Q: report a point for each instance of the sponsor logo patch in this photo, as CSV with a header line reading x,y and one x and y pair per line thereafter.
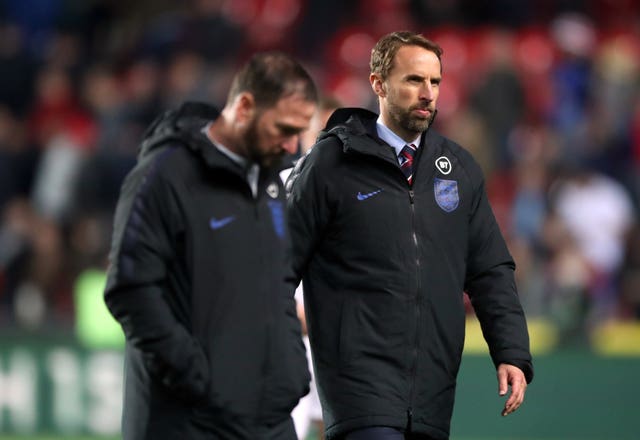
x,y
443,164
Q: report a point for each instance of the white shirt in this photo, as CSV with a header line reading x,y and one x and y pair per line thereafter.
x,y
598,213
393,139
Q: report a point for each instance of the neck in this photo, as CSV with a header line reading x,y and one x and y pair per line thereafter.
x,y
221,132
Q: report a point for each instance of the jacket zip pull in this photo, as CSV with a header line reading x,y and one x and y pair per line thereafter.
x,y
409,419
411,196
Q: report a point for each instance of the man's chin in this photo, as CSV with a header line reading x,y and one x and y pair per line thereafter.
x,y
420,125
271,161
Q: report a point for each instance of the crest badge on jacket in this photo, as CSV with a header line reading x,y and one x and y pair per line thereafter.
x,y
446,193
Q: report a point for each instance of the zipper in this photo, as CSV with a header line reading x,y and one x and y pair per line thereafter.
x,y
414,350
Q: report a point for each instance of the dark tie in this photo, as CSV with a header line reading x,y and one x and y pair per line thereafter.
x,y
407,154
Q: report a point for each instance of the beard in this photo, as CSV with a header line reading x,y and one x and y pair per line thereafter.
x,y
257,155
408,121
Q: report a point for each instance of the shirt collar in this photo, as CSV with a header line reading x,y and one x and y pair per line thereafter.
x,y
396,142
252,170
224,150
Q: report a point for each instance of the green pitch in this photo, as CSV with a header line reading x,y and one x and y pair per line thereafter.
x,y
13,437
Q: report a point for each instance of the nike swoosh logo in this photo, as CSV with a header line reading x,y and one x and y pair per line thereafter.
x,y
217,224
361,196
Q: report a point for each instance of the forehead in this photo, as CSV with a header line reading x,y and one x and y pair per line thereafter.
x,y
415,59
293,109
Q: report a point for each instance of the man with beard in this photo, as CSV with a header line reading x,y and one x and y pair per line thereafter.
x,y
198,262
390,224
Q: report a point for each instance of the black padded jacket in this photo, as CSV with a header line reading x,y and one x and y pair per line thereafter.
x,y
196,279
384,267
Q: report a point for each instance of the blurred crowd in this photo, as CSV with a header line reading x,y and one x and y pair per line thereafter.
x,y
545,94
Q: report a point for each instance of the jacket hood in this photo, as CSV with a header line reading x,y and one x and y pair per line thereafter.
x,y
355,120
183,126
356,130
179,125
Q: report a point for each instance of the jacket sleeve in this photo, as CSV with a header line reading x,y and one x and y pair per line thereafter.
x,y
491,287
308,209
143,249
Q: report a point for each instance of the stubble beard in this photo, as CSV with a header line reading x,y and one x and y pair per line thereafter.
x,y
254,153
408,122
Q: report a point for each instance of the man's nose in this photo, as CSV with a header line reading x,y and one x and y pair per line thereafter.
x,y
426,92
290,144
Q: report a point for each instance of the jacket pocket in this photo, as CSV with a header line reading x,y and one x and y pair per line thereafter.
x,y
189,383
287,379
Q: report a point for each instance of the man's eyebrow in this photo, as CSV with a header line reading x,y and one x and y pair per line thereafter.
x,y
416,77
288,129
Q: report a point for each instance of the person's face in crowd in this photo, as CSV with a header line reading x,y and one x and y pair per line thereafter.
x,y
409,94
274,131
318,122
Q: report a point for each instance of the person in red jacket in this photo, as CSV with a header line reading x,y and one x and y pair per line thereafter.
x,y
198,261
390,225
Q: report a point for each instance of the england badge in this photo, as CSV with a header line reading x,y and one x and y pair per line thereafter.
x,y
446,193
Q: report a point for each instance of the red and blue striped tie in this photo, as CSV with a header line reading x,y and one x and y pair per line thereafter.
x,y
407,154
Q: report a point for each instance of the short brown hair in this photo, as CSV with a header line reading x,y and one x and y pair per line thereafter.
x,y
271,76
384,52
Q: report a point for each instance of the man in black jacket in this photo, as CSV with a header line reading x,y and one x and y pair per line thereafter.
x,y
198,261
390,225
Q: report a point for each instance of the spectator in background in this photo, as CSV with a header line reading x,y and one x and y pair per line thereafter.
x,y
198,263
570,81
386,238
66,133
17,158
596,213
630,275
33,258
15,252
185,79
499,97
16,70
326,106
100,176
609,128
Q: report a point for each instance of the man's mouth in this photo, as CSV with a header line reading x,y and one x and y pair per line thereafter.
x,y
423,111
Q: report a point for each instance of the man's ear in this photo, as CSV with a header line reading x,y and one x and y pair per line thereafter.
x,y
377,85
245,107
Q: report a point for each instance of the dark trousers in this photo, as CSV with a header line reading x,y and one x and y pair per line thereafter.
x,y
218,430
382,433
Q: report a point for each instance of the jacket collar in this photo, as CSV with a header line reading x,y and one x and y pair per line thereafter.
x,y
356,129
